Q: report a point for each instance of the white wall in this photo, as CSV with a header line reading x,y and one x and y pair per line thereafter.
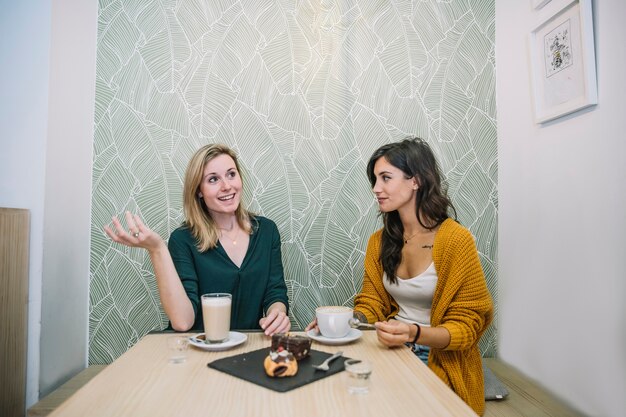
x,y
24,53
47,79
562,222
65,292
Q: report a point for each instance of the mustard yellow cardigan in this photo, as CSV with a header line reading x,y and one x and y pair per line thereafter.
x,y
461,303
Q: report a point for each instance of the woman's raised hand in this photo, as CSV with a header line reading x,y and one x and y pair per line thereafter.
x,y
138,234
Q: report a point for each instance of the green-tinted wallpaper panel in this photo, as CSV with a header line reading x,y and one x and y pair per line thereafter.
x,y
304,91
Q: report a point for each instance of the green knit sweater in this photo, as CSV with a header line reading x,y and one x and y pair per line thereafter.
x,y
461,303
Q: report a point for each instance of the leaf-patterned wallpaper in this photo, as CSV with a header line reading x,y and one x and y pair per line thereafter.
x,y
304,91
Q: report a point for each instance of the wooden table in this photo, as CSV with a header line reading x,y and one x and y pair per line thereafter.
x,y
143,383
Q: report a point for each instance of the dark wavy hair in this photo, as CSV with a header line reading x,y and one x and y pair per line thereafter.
x,y
414,158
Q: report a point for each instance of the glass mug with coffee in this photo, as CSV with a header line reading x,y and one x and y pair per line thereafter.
x,y
216,316
333,321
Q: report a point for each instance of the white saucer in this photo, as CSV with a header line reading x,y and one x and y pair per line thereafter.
x,y
353,335
234,339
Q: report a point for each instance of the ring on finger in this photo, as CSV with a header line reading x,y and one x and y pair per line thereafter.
x,y
136,234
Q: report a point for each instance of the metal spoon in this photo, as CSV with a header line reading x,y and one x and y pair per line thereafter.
x,y
356,323
324,365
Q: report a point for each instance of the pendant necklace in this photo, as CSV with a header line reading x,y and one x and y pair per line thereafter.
x,y
232,239
406,239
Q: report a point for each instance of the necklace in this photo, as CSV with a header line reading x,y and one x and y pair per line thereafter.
x,y
406,239
232,239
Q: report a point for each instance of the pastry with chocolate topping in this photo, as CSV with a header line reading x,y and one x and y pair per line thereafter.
x,y
280,363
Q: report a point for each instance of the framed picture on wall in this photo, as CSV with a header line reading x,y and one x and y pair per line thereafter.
x,y
562,62
538,4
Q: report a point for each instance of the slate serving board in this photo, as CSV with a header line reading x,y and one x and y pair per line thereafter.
x,y
249,366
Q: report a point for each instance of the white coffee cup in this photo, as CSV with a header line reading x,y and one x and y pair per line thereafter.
x,y
333,321
216,316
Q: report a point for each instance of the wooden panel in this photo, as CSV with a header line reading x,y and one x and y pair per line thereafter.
x,y
526,397
51,401
14,233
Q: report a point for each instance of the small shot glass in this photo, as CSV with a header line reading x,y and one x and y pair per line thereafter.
x,y
358,375
177,348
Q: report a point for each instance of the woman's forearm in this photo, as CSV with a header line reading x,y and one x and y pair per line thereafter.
x,y
174,299
436,337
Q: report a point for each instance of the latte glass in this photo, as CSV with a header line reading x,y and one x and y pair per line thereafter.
x,y
216,316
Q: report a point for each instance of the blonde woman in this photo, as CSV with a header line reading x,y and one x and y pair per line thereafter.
x,y
221,247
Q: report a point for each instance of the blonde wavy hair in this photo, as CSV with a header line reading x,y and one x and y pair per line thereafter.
x,y
197,216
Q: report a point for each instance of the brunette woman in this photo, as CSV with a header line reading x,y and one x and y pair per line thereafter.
x,y
423,285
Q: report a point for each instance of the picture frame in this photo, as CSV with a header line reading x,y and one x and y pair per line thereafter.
x,y
562,62
538,4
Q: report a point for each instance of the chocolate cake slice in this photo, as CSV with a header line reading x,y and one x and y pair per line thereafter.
x,y
299,346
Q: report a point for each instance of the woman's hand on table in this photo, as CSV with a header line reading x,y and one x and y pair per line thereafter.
x,y
138,234
276,320
312,325
393,332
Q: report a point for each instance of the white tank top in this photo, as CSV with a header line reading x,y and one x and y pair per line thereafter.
x,y
414,296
